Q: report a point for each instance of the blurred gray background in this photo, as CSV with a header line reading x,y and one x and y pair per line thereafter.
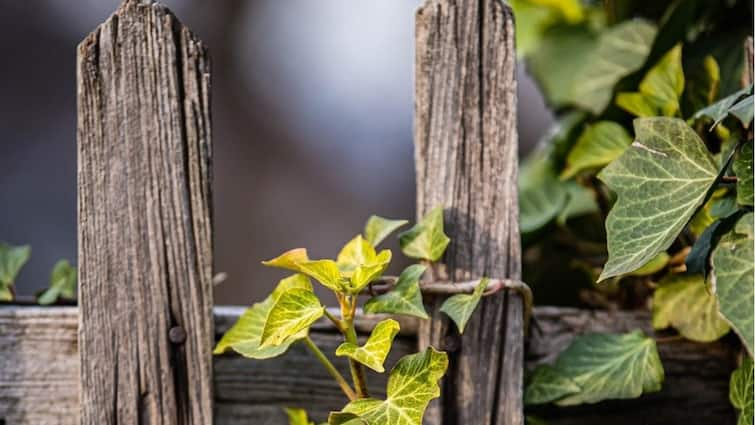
x,y
313,106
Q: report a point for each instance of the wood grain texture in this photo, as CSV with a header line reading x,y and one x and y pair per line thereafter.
x,y
145,234
39,367
466,161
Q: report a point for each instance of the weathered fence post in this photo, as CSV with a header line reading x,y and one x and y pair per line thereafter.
x,y
466,160
145,234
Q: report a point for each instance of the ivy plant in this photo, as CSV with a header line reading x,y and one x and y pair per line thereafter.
x,y
12,261
268,328
642,195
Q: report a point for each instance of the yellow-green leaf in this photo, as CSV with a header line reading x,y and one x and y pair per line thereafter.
x,y
297,417
373,353
461,306
546,384
378,228
245,336
326,272
294,311
609,366
660,90
359,262
12,259
62,284
598,145
653,266
742,167
405,298
412,384
741,391
682,301
289,260
426,240
660,180
734,281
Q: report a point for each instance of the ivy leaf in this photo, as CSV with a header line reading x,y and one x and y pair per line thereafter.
x,y
547,384
324,271
598,145
653,266
12,259
660,181
426,240
542,196
660,89
743,111
245,336
341,418
378,228
412,384
289,260
621,50
735,287
742,167
741,391
373,353
359,262
294,311
62,284
405,298
610,366
721,109
682,301
461,306
297,417
697,260
580,201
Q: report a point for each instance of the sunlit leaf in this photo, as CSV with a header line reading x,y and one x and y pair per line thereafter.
x,y
609,366
289,260
660,90
547,384
373,353
683,302
324,271
598,145
405,298
734,282
297,417
426,240
62,284
741,391
378,228
12,259
294,311
621,50
245,336
412,384
742,167
660,181
461,306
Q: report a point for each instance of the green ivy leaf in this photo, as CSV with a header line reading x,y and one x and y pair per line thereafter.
x,y
378,228
294,311
547,384
289,260
609,366
405,298
12,259
298,417
682,301
461,306
660,89
621,50
660,181
598,145
245,336
580,201
734,283
697,260
412,384
653,266
373,353
721,109
743,111
426,240
741,391
324,271
62,284
742,167
542,196
360,264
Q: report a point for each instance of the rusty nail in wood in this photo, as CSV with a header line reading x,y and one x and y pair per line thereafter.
x,y
177,335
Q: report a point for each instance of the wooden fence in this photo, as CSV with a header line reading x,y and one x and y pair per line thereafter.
x,y
137,350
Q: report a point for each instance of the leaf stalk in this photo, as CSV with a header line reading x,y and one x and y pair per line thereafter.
x,y
345,387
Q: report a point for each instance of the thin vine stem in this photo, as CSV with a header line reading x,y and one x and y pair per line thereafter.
x,y
345,387
358,377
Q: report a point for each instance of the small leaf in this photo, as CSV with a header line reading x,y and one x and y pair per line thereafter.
x,y
734,282
62,284
289,260
608,366
297,417
360,264
653,266
245,336
698,259
682,301
659,90
426,240
743,111
412,384
546,384
598,145
721,109
294,311
742,167
378,228
741,391
660,181
12,259
373,353
542,196
405,298
461,306
326,272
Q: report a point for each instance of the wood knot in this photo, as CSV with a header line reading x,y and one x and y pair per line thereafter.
x,y
177,335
